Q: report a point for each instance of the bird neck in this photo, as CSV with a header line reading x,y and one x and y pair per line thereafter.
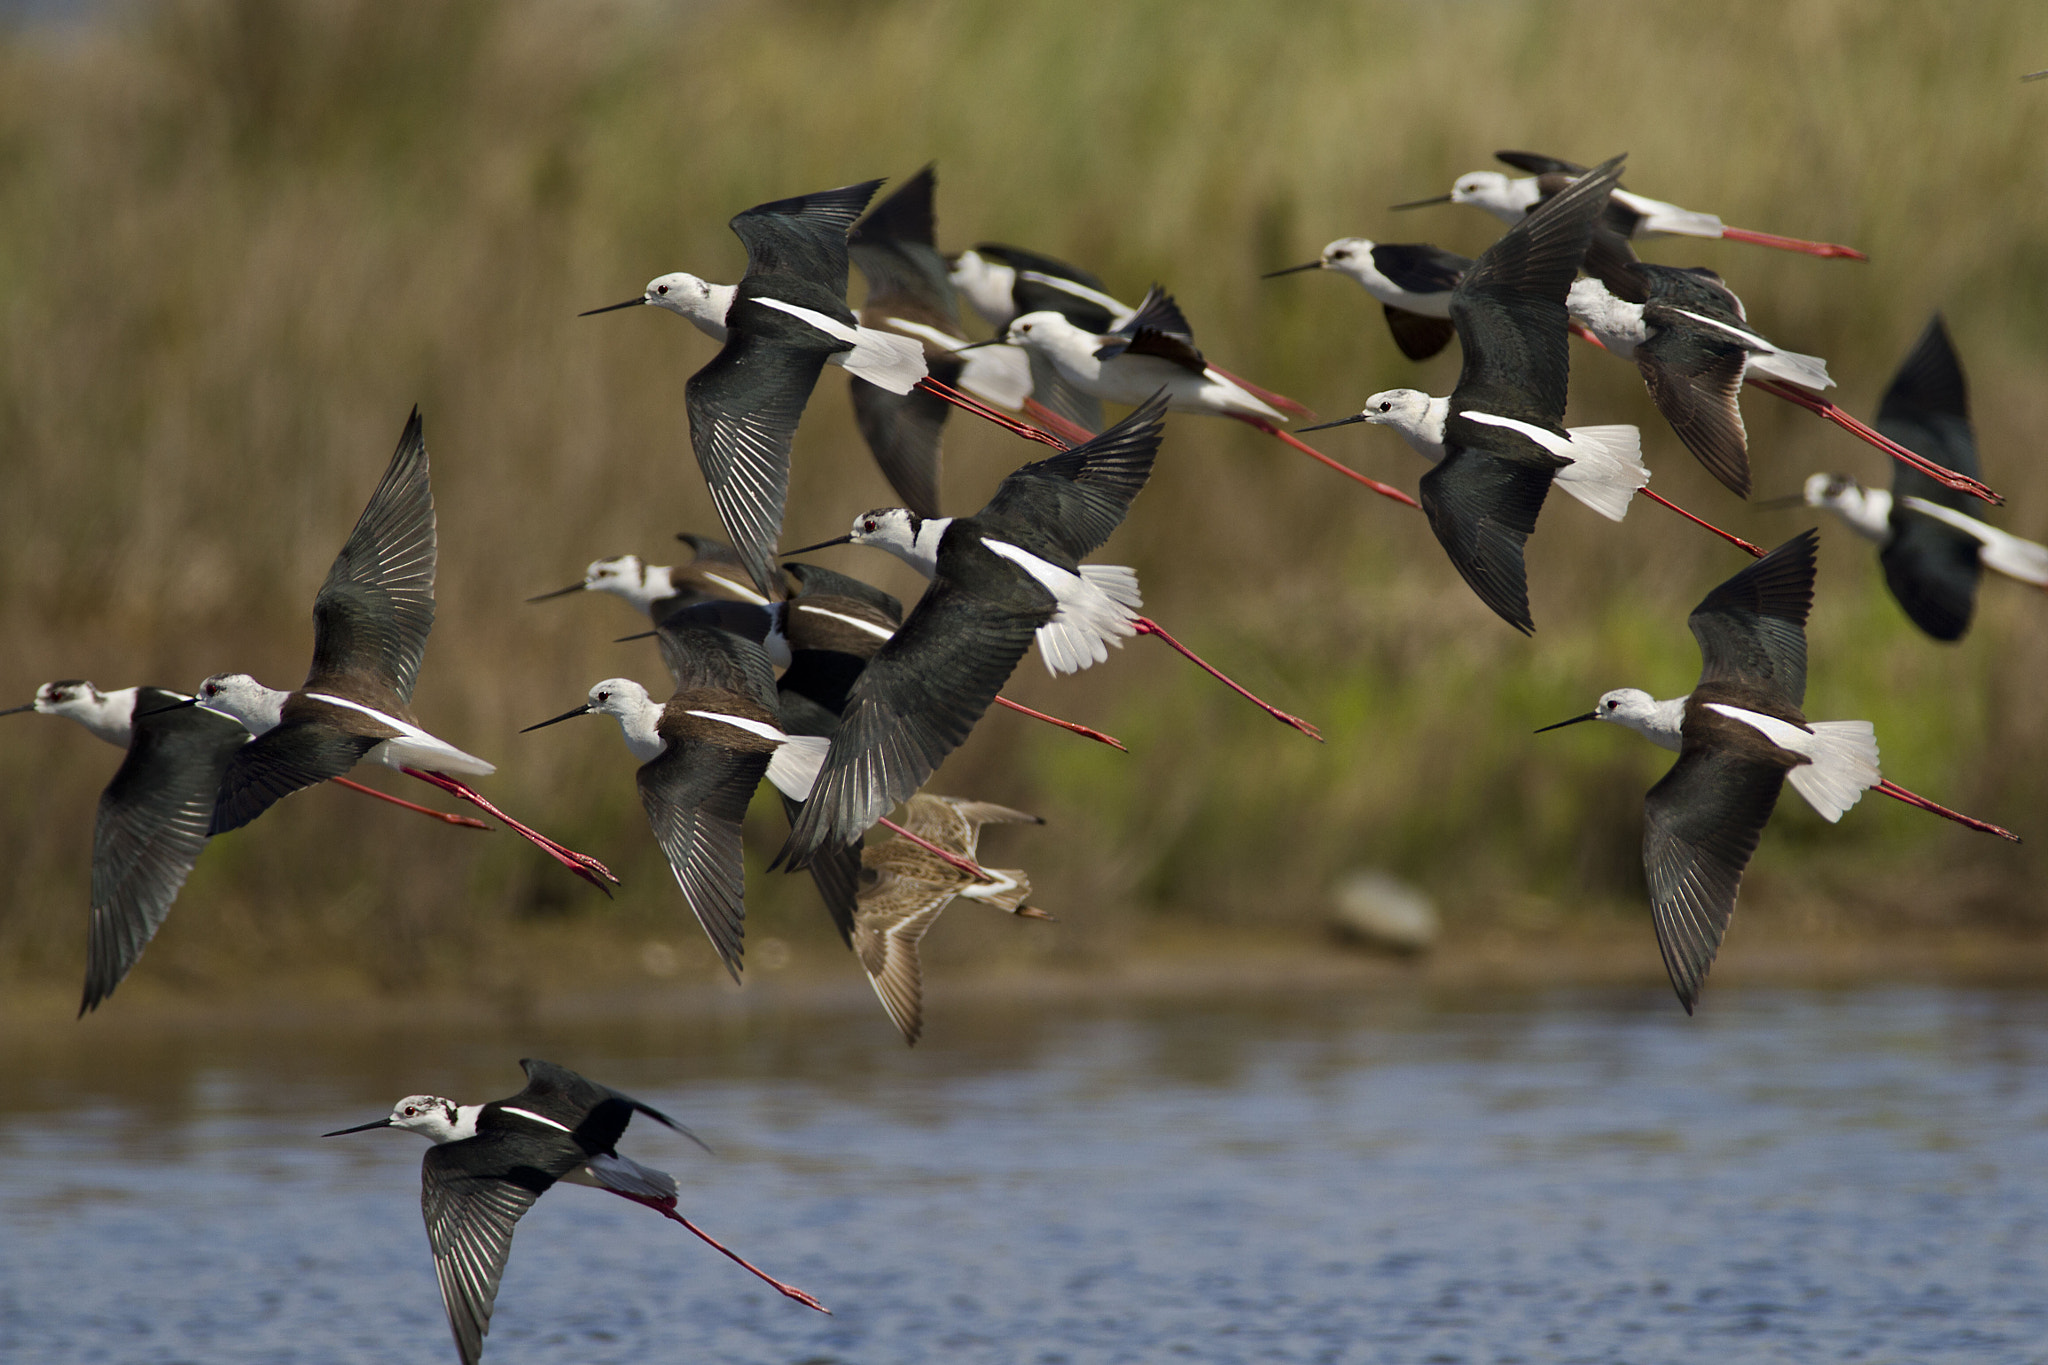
x,y
1618,323
109,715
922,551
1661,722
655,585
706,312
1867,511
1426,434
638,718
259,713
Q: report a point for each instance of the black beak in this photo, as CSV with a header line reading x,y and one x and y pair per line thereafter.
x,y
613,307
1590,715
16,710
174,706
977,345
1780,504
821,545
559,592
1291,270
359,1128
643,635
582,710
1340,422
1423,203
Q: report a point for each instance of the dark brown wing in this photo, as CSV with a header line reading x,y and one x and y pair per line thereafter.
x,y
373,613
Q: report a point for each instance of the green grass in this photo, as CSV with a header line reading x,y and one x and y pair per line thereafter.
x,y
239,241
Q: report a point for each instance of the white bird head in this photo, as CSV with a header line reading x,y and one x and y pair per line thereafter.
x,y
621,697
1405,410
1835,491
74,698
628,703
986,285
433,1118
886,528
242,697
1630,706
1351,255
698,300
1048,333
1494,192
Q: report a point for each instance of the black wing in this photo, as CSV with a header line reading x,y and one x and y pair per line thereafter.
x,y
1046,295
893,246
1700,826
1156,329
1483,508
696,795
744,408
709,645
279,762
1418,336
374,611
470,1219
922,693
1927,410
815,579
804,236
1510,308
1073,501
1695,379
1752,628
1535,163
153,821
597,1113
902,431
1933,570
1419,267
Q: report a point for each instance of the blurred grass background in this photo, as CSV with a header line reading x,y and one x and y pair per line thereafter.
x,y
239,240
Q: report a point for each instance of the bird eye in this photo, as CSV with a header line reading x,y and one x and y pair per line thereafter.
x,y
410,1111
868,525
604,696
661,289
1611,705
1386,405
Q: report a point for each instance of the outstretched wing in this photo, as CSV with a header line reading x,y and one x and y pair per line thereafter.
x,y
373,613
469,1226
1483,508
696,795
152,823
1752,628
1158,329
1076,499
1701,823
279,762
804,236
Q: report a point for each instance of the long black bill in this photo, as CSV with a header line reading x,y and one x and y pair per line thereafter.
x,y
643,635
1590,715
1340,422
613,307
1779,504
977,345
359,1128
582,710
1291,270
821,545
1423,203
559,592
173,706
17,710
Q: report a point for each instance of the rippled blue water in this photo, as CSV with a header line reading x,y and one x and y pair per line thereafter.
x,y
1580,1177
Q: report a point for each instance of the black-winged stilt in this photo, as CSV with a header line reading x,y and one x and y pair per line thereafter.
x,y
903,888
490,1162
1633,215
1740,735
1502,436
784,320
370,624
1004,282
1412,280
1932,552
1691,338
1153,351
714,571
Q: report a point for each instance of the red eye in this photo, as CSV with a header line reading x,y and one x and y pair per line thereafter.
x,y
662,290
410,1111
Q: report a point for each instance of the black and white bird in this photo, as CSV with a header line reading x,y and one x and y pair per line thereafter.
x,y
910,292
1632,215
780,325
1008,574
1501,432
490,1162
1933,553
1412,280
904,887
702,754
1002,283
1740,735
370,624
714,572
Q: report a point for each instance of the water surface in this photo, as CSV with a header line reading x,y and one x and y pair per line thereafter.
x,y
1572,1177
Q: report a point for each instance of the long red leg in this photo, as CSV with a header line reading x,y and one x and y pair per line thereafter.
x,y
1734,540
448,817
1068,430
983,410
667,1209
1792,393
1792,243
1076,727
1146,626
967,865
1384,490
1898,793
582,864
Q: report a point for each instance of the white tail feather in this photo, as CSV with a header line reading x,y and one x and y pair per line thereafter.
x,y
884,359
623,1175
998,374
1841,754
1808,371
2002,551
1606,468
794,767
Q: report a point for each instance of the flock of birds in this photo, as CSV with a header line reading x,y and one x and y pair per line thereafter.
x,y
846,703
